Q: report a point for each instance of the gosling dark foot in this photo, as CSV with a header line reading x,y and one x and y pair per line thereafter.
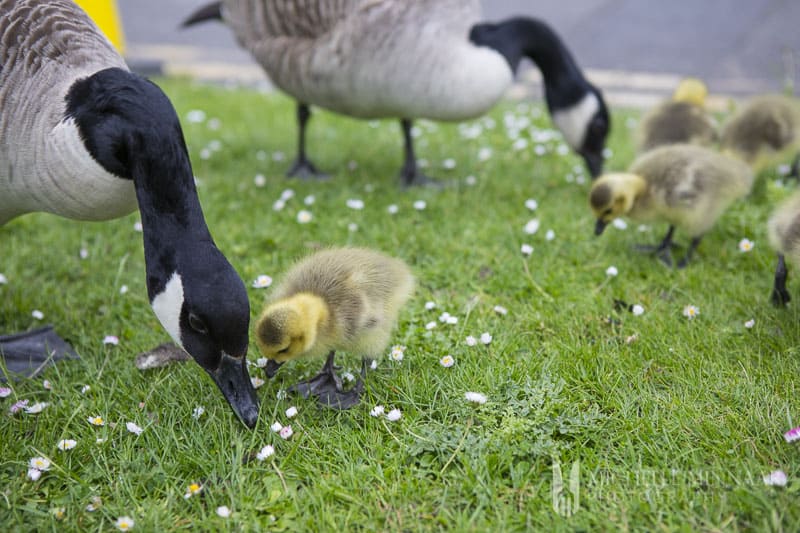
x,y
323,383
329,391
303,169
780,297
794,170
341,400
26,354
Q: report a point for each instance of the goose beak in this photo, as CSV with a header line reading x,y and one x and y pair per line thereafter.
x,y
272,368
594,162
599,226
233,380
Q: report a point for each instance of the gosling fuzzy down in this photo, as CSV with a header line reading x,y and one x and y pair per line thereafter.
x,y
784,236
683,119
687,186
338,299
764,131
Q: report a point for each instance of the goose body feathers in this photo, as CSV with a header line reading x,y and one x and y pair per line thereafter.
x,y
374,59
44,49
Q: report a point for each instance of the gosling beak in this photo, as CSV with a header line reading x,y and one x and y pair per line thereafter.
x,y
599,226
272,368
233,380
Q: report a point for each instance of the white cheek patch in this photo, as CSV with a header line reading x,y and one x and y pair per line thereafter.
x,y
167,306
573,121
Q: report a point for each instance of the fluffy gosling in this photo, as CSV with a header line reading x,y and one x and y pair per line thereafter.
x,y
687,186
764,131
683,119
784,236
337,299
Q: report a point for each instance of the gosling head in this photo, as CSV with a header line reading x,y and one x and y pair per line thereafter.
x,y
287,329
692,91
612,196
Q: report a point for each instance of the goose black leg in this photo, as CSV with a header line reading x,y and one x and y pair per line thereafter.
x,y
780,296
410,173
327,387
302,167
26,354
688,257
794,172
663,250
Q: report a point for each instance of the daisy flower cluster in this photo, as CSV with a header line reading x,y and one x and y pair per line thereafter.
x,y
392,415
397,353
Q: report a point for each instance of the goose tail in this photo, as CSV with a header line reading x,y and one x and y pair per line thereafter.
x,y
212,11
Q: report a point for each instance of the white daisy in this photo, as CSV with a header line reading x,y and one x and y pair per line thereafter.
x,y
393,415
475,397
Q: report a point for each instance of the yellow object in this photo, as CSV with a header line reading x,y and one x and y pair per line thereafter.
x,y
691,90
104,13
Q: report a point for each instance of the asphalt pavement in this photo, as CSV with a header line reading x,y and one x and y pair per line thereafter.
x,y
635,50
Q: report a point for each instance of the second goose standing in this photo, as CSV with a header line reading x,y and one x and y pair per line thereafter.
x,y
423,59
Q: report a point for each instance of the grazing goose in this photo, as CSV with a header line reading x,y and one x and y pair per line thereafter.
x,y
338,299
685,185
784,236
423,59
82,137
765,130
683,119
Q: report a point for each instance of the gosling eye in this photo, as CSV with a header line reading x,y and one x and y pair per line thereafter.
x,y
607,212
197,324
284,350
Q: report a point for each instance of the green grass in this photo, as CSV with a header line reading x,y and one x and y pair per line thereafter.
x,y
674,421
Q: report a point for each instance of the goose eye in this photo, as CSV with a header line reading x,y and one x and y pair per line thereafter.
x,y
197,324
284,350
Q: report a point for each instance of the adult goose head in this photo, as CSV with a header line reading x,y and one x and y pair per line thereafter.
x,y
576,106
423,59
89,141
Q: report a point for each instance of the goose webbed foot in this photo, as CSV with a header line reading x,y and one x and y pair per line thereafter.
x,y
780,296
663,250
328,388
26,354
303,169
412,177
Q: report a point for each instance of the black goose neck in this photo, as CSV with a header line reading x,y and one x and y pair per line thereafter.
x,y
520,37
130,128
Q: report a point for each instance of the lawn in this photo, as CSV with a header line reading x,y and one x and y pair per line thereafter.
x,y
673,421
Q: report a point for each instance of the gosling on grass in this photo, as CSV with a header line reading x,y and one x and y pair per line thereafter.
x,y
784,236
337,299
682,119
766,130
687,186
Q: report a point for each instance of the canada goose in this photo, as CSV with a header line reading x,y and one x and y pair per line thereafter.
x,y
685,185
683,119
784,236
337,299
766,129
423,59
82,137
